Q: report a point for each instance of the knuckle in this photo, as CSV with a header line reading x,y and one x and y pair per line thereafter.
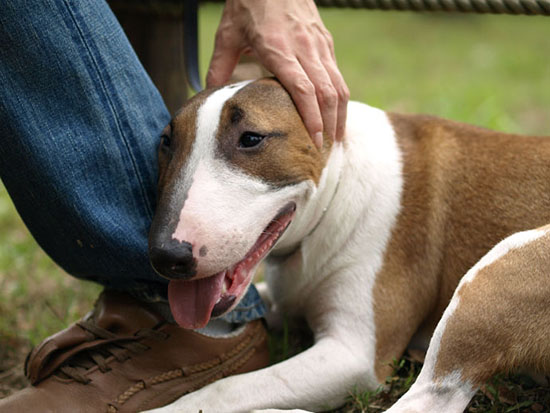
x,y
222,37
302,38
327,95
329,39
303,86
273,39
225,37
343,93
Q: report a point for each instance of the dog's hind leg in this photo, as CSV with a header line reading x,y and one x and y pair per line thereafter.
x,y
497,321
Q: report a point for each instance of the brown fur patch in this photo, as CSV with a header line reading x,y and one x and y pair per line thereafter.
x,y
502,321
465,189
287,155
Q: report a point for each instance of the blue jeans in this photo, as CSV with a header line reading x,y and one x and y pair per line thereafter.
x,y
80,122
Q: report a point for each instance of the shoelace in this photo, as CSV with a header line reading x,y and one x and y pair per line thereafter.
x,y
118,347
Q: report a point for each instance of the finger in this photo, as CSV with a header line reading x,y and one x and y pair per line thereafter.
x,y
302,91
324,91
342,93
223,62
293,77
312,50
325,44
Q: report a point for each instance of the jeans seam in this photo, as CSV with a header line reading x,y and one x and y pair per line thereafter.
x,y
113,111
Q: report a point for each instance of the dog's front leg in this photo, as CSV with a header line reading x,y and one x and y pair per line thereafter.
x,y
317,379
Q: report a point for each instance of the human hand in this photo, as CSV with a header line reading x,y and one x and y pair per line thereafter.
x,y
289,38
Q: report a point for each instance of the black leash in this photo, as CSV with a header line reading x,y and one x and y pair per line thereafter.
x,y
191,43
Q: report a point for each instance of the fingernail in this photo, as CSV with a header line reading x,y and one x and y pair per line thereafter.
x,y
318,139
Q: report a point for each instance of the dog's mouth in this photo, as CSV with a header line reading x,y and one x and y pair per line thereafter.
x,y
194,302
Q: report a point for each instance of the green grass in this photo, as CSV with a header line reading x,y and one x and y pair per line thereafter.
x,y
492,71
37,297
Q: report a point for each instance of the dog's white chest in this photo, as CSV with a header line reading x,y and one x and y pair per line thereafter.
x,y
353,230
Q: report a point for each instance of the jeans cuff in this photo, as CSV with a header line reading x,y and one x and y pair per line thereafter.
x,y
251,307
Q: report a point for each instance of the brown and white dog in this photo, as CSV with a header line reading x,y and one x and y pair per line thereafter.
x,y
410,225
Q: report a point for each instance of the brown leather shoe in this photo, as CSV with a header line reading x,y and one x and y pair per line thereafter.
x,y
123,357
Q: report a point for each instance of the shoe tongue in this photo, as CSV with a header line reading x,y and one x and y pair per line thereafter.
x,y
191,302
122,314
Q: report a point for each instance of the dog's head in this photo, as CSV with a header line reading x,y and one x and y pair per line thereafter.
x,y
236,167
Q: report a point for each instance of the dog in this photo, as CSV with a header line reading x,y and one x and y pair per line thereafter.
x,y
413,232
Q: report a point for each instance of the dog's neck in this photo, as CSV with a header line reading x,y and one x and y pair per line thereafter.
x,y
325,209
318,201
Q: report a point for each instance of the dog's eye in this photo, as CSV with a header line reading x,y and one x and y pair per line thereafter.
x,y
165,140
250,139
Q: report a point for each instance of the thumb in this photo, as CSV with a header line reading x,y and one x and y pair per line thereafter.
x,y
223,63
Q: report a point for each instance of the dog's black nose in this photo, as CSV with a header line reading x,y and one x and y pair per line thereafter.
x,y
174,260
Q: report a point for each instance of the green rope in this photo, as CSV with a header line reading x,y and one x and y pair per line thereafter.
x,y
528,7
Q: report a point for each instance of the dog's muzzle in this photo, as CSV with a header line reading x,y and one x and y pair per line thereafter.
x,y
173,260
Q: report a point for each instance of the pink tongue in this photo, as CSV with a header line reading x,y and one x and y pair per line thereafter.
x,y
191,302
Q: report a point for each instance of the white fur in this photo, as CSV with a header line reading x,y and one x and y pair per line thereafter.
x,y
208,120
354,229
452,393
309,214
344,251
225,211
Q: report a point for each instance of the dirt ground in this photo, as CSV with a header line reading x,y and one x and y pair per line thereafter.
x,y
12,359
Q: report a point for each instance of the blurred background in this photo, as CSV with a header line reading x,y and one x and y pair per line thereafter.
x,y
491,71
